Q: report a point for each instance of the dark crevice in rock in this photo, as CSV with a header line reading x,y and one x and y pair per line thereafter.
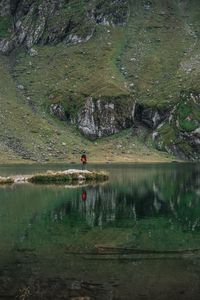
x,y
150,117
105,117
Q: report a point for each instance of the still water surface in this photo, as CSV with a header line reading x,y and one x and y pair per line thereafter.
x,y
136,236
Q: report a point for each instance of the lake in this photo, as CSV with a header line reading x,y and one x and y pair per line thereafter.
x,y
136,236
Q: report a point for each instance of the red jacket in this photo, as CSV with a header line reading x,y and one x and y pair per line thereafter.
x,y
84,159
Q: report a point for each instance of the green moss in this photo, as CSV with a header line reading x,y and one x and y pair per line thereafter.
x,y
184,120
188,125
185,148
50,179
168,134
5,27
188,115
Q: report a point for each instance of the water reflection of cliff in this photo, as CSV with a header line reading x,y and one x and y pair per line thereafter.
x,y
137,194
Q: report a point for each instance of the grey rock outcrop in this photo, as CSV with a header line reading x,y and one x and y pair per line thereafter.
x,y
6,46
58,111
104,117
4,8
54,21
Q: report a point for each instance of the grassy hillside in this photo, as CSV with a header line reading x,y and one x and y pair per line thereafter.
x,y
151,60
68,74
29,133
161,53
24,134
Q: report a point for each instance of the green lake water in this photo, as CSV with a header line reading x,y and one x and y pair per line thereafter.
x,y
136,236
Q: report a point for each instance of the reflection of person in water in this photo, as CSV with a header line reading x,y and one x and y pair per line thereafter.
x,y
84,196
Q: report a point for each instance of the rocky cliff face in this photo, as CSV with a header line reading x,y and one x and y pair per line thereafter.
x,y
180,132
52,21
4,8
103,117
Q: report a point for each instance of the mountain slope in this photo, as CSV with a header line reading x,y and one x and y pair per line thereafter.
x,y
101,67
161,63
28,133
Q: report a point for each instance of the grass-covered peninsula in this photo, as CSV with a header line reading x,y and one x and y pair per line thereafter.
x,y
70,176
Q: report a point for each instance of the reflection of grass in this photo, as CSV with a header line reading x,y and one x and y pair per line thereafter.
x,y
121,214
162,234
75,235
188,116
19,212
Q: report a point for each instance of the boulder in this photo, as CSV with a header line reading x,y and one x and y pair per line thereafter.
x,y
58,111
104,117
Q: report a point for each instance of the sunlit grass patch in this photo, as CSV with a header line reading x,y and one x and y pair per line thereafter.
x,y
68,176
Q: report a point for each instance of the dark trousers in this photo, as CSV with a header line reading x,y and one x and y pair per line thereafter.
x,y
83,166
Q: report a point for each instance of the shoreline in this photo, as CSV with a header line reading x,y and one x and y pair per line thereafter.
x,y
97,162
104,160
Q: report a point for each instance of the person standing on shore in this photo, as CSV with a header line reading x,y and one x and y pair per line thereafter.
x,y
84,160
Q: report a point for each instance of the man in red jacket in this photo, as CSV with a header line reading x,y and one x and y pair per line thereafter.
x,y
84,160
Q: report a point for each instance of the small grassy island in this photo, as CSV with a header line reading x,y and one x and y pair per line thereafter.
x,y
6,180
67,176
